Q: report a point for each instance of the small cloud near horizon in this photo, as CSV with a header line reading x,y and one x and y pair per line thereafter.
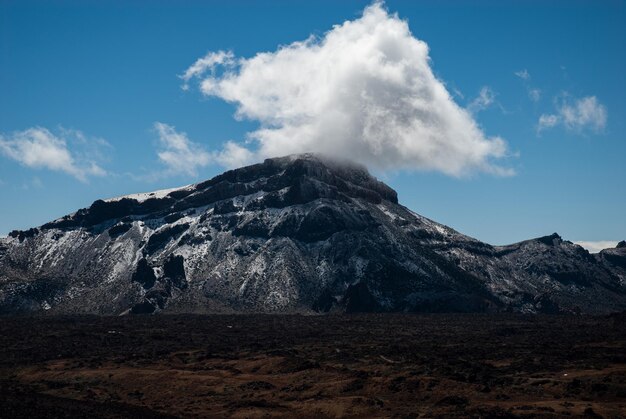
x,y
597,246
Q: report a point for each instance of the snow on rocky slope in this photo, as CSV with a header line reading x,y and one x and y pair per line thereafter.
x,y
302,233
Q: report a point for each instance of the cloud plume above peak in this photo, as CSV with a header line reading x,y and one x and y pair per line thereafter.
x,y
364,89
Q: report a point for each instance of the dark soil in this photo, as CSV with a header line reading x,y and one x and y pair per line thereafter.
x,y
370,365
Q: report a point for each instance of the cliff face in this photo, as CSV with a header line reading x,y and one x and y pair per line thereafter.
x,y
301,233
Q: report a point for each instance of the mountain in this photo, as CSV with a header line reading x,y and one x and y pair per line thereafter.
x,y
303,233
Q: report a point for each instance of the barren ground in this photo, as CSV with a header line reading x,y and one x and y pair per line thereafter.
x,y
370,365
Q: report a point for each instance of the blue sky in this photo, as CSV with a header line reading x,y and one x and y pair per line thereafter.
x,y
82,85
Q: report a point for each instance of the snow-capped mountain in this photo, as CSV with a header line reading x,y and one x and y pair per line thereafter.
x,y
302,233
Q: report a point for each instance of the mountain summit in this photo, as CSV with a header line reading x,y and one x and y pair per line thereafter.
x,y
303,233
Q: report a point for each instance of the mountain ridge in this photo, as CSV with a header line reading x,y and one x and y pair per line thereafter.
x,y
302,233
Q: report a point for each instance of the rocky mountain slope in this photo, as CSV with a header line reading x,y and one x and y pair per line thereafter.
x,y
302,233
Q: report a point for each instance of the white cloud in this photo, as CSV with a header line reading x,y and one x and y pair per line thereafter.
x,y
364,89
234,155
585,112
596,246
534,94
486,97
182,156
547,121
38,148
523,74
576,115
178,153
208,62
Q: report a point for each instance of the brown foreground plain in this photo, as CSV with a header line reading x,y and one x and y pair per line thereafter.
x,y
366,365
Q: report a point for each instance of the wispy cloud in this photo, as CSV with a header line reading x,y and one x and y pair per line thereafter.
x,y
233,155
486,97
182,156
207,63
364,89
34,183
596,246
523,74
456,92
584,113
547,121
39,148
178,153
576,115
534,94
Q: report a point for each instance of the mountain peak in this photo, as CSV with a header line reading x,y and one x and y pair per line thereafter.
x,y
325,168
550,240
277,182
334,171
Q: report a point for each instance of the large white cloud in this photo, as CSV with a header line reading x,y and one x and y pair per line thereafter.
x,y
39,148
364,90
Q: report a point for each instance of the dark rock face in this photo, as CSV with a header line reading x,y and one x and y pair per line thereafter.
x,y
118,230
301,233
164,236
144,274
174,271
616,258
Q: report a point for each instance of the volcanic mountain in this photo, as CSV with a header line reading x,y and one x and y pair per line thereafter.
x,y
301,234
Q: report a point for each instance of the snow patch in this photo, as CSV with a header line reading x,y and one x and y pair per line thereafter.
x,y
388,213
141,197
